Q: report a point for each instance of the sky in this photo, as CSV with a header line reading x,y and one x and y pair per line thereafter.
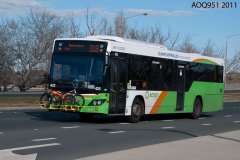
x,y
178,16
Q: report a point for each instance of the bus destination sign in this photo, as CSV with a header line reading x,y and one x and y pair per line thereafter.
x,y
65,46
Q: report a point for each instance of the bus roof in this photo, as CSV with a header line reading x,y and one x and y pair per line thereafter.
x,y
118,44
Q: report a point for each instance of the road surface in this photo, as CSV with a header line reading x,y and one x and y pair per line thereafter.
x,y
62,136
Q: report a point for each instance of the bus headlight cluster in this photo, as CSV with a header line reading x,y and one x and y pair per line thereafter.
x,y
97,102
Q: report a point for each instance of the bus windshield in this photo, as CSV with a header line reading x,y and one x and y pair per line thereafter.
x,y
87,69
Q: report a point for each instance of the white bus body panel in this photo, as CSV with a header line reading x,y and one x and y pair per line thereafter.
x,y
129,46
150,97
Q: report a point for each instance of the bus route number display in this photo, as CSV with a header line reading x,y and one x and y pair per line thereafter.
x,y
80,47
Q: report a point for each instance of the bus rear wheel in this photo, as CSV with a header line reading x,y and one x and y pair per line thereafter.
x,y
197,108
137,111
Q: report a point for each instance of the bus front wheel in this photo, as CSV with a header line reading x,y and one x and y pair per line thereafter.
x,y
137,111
197,108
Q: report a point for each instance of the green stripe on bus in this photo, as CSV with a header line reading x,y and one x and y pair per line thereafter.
x,y
203,60
211,93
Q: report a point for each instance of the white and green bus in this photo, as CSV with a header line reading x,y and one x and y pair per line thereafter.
x,y
116,76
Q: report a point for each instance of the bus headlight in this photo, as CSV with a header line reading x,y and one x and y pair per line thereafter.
x,y
97,102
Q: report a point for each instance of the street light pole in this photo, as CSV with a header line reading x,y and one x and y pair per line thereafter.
x,y
122,21
226,52
227,39
141,14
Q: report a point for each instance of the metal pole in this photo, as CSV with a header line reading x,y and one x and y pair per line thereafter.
x,y
226,53
141,14
225,61
228,38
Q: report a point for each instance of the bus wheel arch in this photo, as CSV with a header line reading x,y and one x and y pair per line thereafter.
x,y
197,107
139,97
137,109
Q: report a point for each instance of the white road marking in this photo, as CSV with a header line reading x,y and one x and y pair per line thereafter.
x,y
70,127
206,124
124,123
228,116
35,129
8,153
34,146
116,132
168,120
43,139
202,118
168,127
1,132
236,121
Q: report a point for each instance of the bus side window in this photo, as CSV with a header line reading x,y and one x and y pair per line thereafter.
x,y
155,75
139,69
168,72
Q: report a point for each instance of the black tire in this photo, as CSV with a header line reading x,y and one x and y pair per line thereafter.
x,y
137,111
197,108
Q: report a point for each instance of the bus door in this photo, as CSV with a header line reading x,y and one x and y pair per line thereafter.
x,y
119,73
181,77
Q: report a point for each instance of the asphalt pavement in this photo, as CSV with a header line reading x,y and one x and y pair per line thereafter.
x,y
63,136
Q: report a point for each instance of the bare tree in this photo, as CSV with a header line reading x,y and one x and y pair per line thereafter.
x,y
74,28
33,44
187,46
233,65
157,36
173,41
90,23
154,35
136,34
105,27
96,24
120,25
7,58
110,30
208,49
